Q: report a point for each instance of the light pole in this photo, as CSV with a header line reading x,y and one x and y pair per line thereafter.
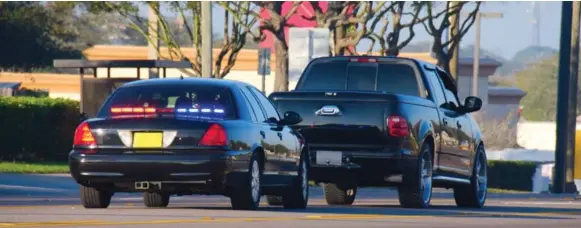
x,y
206,39
154,42
476,65
563,145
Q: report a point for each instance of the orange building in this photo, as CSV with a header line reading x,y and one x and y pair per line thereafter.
x,y
67,85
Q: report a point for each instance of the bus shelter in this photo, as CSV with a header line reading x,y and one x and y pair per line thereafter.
x,y
95,90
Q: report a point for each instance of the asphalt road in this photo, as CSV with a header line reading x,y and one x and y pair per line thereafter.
x,y
52,201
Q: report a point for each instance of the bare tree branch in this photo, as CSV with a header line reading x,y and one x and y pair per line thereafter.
x,y
443,49
466,25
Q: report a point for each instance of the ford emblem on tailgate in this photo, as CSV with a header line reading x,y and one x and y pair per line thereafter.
x,y
328,110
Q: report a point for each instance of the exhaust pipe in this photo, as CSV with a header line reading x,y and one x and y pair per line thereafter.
x,y
142,185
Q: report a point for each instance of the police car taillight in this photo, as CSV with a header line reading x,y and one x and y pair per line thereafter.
x,y
83,136
214,136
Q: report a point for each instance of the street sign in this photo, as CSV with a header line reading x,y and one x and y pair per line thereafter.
x,y
264,61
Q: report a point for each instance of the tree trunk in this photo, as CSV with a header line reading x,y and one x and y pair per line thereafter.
x,y
281,73
442,59
392,51
454,30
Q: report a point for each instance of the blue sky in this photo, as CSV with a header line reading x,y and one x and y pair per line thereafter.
x,y
503,36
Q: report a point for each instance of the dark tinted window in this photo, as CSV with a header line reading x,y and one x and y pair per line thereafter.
x,y
361,76
325,75
255,107
172,96
340,75
266,104
436,86
449,90
249,105
397,78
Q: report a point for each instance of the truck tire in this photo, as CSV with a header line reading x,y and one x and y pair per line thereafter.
x,y
155,199
416,191
339,195
247,196
94,198
274,200
474,195
297,196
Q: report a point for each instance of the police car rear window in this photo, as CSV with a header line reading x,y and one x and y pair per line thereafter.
x,y
173,99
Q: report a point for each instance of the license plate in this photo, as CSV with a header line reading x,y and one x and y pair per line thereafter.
x,y
147,140
332,158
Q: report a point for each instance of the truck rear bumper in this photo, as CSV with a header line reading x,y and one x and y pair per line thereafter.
x,y
364,168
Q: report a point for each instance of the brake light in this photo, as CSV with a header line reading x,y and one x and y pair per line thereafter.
x,y
84,136
214,136
397,126
363,60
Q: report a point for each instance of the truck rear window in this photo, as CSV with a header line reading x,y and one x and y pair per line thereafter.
x,y
172,97
343,75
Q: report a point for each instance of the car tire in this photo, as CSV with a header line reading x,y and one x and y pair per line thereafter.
x,y
474,195
338,194
94,198
297,196
274,200
247,196
416,191
155,199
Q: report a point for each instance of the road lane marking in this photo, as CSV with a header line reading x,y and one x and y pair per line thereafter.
x,y
200,220
544,203
264,219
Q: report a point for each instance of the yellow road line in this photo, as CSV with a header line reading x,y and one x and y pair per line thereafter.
x,y
263,219
35,206
201,220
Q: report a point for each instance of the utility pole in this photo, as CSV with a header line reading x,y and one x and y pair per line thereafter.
x,y
476,58
207,39
573,88
154,42
454,29
563,146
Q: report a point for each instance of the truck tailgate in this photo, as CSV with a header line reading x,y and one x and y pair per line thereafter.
x,y
339,119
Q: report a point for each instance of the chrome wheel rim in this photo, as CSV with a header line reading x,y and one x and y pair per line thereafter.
x,y
255,181
426,178
304,180
481,178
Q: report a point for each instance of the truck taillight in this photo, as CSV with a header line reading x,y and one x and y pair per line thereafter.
x,y
214,136
397,126
84,136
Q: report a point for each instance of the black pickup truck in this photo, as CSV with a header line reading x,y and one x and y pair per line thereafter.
x,y
388,121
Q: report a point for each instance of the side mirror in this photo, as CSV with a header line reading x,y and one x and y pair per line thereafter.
x,y
290,118
472,104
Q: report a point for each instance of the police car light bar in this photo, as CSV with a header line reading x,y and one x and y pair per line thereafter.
x,y
139,110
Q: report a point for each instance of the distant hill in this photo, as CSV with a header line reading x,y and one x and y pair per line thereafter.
x,y
521,59
467,51
519,62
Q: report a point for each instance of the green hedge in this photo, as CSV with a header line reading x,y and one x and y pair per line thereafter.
x,y
511,175
33,129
